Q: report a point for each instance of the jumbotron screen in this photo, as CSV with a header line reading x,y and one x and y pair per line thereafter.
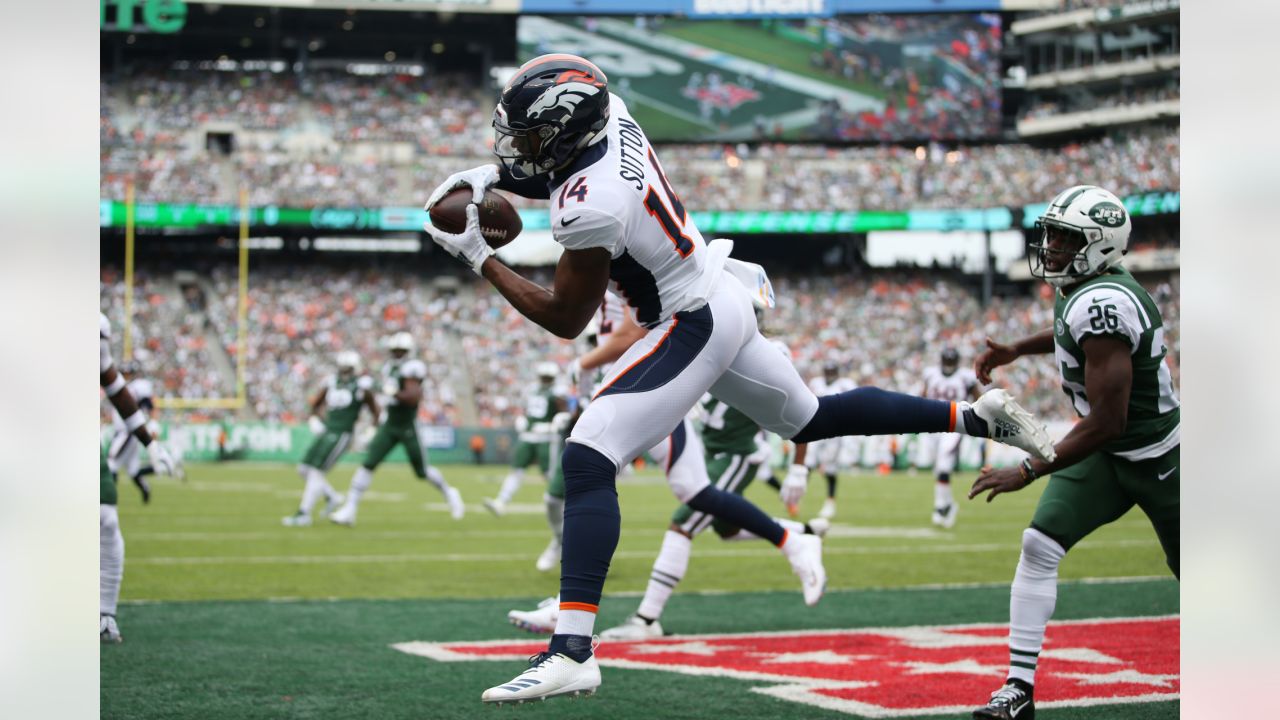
x,y
841,79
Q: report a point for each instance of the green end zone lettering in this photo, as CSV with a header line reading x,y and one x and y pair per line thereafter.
x,y
161,16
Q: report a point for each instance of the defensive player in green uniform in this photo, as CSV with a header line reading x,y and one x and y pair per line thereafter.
x,y
534,441
340,400
402,379
110,540
1108,342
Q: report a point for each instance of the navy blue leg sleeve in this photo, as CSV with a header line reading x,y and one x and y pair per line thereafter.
x,y
733,508
872,411
592,523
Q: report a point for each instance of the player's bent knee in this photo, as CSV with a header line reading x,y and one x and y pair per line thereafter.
x,y
587,469
679,530
1040,550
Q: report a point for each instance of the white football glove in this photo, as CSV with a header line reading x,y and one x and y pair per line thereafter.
x,y
162,461
794,485
479,179
522,424
469,245
316,425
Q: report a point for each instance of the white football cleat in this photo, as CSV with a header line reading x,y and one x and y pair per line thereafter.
x,y
541,621
550,557
454,498
819,526
1008,423
805,554
633,628
548,676
945,517
345,515
828,510
108,631
333,502
298,519
495,506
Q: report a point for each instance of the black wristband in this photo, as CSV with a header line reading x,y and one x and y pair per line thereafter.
x,y
1028,472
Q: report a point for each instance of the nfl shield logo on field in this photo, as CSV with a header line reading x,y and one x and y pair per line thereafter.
x,y
897,672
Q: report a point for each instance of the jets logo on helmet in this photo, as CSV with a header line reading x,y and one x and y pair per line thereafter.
x,y
1084,231
552,109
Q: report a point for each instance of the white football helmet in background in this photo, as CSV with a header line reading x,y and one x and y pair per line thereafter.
x,y
348,362
401,341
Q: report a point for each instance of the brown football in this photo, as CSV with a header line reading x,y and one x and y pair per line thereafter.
x,y
499,221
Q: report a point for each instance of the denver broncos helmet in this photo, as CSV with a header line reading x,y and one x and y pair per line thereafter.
x,y
549,111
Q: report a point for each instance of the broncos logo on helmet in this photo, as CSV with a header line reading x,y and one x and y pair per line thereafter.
x,y
552,108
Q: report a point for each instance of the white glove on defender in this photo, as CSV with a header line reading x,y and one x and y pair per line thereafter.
x,y
469,245
162,461
794,486
479,179
316,425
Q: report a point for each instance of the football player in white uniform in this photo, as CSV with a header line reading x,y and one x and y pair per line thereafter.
x,y
947,382
831,455
561,135
126,450
683,457
110,541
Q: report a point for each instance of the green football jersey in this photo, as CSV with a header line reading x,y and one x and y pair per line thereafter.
x,y
727,429
1114,304
343,400
540,405
394,373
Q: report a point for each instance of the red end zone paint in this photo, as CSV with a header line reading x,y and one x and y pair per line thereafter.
x,y
895,672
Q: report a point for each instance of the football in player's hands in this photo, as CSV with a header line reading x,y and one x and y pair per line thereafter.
x,y
499,221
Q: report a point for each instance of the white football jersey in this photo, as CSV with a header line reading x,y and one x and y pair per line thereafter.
x,y
615,196
952,388
104,343
611,313
820,386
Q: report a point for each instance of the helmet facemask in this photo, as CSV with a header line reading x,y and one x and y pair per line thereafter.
x,y
1072,258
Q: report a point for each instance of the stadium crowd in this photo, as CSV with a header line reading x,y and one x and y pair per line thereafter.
x,y
882,329
330,150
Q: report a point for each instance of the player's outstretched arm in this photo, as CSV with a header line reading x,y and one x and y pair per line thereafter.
x,y
124,403
566,307
410,391
1108,377
998,354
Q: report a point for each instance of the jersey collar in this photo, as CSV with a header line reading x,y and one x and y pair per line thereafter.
x,y
582,162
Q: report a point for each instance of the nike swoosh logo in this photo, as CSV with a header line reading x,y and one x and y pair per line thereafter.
x,y
566,222
1095,301
1166,473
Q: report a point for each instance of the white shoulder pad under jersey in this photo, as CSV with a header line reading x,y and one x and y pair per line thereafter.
x,y
104,343
616,197
413,369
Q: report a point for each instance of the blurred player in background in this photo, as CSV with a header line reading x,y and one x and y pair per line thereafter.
x,y
562,136
831,455
110,540
402,379
126,450
534,441
1108,341
334,412
947,382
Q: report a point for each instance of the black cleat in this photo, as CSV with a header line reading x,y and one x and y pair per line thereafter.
x,y
1011,702
144,487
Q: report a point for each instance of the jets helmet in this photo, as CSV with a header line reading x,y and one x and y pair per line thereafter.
x,y
547,370
1100,221
401,341
348,362
552,108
